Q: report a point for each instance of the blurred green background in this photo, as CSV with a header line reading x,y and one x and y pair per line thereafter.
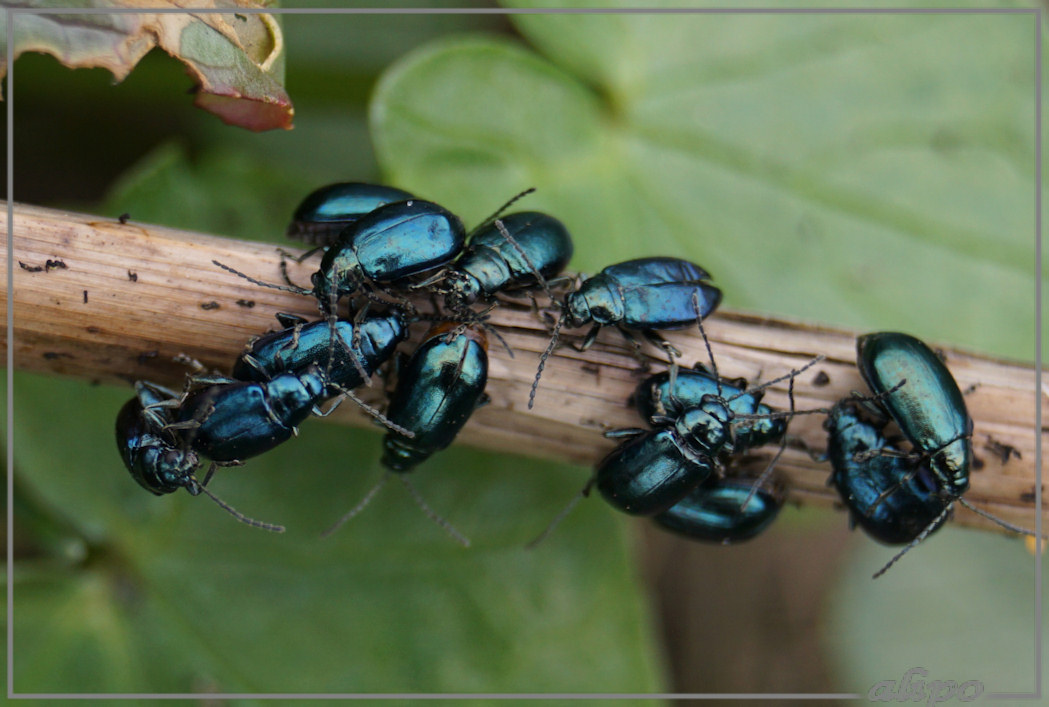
x,y
870,171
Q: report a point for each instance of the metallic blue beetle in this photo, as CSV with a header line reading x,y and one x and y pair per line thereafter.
x,y
437,391
655,398
325,212
888,496
155,456
158,455
695,429
383,248
515,251
369,343
236,420
892,493
655,469
646,295
723,510
929,408
390,244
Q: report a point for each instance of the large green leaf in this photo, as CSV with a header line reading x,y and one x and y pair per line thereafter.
x,y
874,171
171,595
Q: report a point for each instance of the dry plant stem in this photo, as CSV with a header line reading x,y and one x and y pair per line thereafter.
x,y
130,297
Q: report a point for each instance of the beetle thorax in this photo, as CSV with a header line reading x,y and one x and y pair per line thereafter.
x,y
595,301
341,274
951,466
463,288
706,428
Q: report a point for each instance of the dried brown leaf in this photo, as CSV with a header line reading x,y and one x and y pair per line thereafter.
x,y
235,58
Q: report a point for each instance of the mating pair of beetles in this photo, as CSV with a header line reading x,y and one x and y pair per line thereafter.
x,y
897,496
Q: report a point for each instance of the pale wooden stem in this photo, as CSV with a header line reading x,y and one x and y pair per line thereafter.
x,y
131,296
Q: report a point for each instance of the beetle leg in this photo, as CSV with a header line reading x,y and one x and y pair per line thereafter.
x,y
285,256
657,340
589,339
289,320
891,490
254,363
293,344
624,432
636,345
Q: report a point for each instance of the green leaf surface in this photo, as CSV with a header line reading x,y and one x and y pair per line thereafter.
x,y
218,193
961,607
873,171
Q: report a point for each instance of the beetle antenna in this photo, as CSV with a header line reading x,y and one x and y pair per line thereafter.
x,y
782,445
706,342
432,514
272,527
361,505
999,521
504,207
583,493
794,373
297,259
524,256
546,354
286,288
921,536
382,419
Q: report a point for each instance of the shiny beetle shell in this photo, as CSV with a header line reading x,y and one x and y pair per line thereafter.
x,y
929,407
437,391
719,511
155,458
391,243
325,212
647,293
914,502
289,350
654,397
491,263
244,419
651,472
